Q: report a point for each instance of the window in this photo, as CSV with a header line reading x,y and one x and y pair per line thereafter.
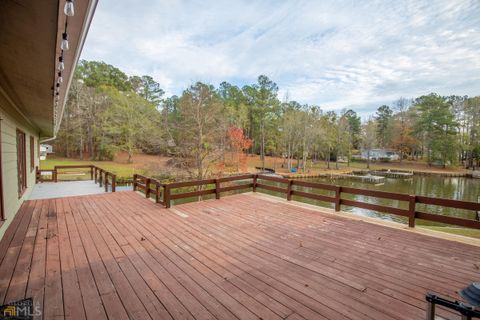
x,y
21,163
32,153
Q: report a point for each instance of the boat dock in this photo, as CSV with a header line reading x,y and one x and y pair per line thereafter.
x,y
363,178
392,174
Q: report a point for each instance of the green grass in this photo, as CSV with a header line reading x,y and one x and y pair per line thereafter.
x,y
122,170
125,171
459,231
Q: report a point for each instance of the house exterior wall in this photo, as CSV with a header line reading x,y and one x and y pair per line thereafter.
x,y
9,123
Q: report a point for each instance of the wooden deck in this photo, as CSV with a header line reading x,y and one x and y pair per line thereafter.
x,y
120,256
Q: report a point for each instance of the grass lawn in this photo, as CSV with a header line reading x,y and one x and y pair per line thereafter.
x,y
122,170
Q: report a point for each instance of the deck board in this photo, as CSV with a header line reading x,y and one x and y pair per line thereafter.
x,y
120,256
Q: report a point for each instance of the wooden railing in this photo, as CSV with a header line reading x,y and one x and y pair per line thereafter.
x,y
41,178
164,195
102,177
144,184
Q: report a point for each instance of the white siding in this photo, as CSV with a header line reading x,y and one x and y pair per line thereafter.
x,y
9,126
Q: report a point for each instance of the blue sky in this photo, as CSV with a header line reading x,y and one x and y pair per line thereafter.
x,y
336,54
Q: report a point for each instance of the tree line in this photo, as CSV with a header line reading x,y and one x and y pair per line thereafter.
x,y
108,111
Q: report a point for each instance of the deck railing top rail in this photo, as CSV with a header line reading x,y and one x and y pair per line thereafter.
x,y
165,193
102,177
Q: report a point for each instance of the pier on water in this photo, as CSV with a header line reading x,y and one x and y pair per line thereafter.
x,y
392,174
363,178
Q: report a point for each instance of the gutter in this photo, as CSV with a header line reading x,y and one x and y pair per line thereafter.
x,y
47,139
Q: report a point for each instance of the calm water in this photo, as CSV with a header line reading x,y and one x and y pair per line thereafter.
x,y
458,188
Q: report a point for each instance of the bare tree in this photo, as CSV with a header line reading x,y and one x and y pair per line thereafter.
x,y
369,138
200,131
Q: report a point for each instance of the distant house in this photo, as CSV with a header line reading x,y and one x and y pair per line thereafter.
x,y
38,55
48,148
45,149
378,154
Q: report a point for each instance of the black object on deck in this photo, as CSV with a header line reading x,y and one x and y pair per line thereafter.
x,y
472,294
467,311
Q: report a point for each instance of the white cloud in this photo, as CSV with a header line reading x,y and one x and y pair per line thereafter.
x,y
334,54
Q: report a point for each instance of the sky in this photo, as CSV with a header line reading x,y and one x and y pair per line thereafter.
x,y
335,54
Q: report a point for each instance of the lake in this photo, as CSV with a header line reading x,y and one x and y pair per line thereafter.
x,y
458,188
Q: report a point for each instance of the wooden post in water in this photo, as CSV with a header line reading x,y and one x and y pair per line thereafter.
x,y
338,199
411,211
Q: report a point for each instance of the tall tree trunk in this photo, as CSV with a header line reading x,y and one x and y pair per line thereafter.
x,y
81,147
262,148
328,158
90,141
368,159
67,134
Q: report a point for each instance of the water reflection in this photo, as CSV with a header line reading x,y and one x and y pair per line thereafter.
x,y
458,188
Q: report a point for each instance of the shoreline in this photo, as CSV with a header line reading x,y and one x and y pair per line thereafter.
x,y
468,174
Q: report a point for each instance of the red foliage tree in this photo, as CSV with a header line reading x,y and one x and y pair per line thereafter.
x,y
238,144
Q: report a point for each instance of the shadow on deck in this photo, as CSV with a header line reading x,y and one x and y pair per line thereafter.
x,y
120,256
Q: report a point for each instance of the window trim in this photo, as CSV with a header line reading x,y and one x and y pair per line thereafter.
x,y
32,153
24,163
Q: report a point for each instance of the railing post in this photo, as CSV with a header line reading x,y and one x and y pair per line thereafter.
x,y
54,175
289,190
134,182
255,183
91,172
166,195
106,181
100,181
338,199
217,189
147,188
95,174
114,182
411,211
157,192
36,174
